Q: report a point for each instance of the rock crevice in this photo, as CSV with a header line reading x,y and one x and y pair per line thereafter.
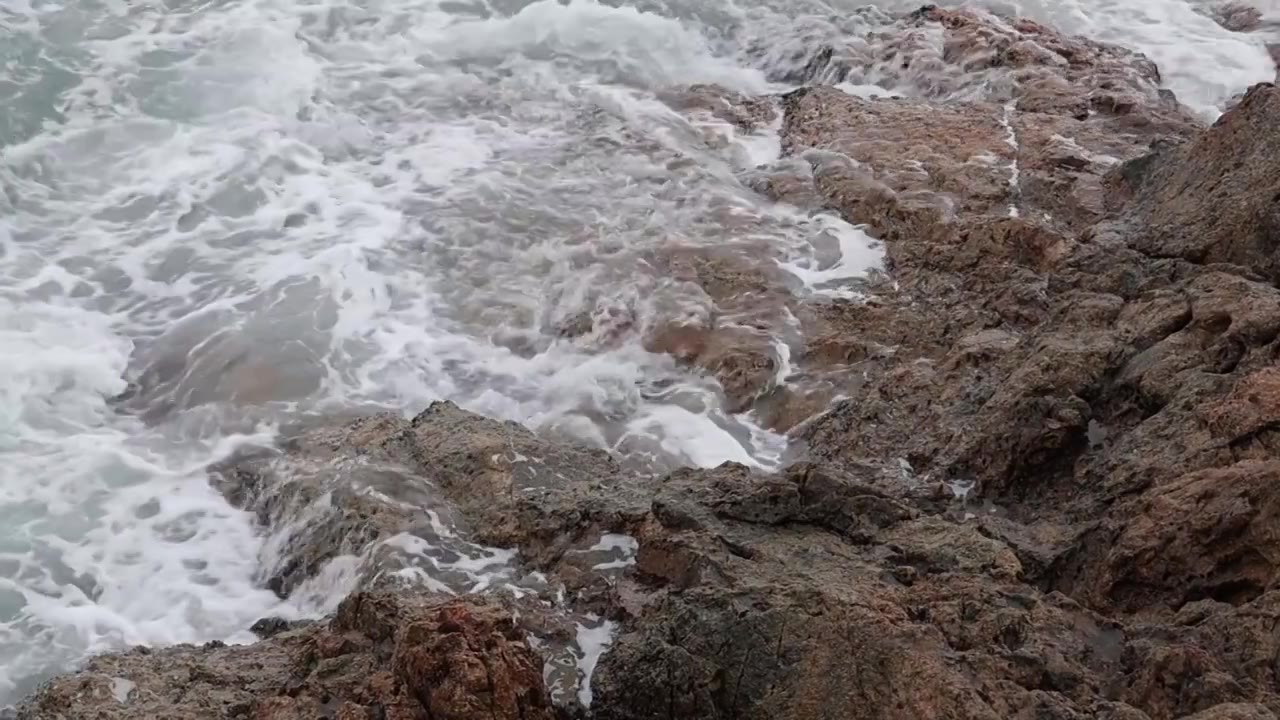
x,y
1052,490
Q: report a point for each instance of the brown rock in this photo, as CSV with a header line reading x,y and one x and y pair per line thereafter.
x,y
1207,535
903,616
360,483
1212,200
743,362
1049,491
1171,682
1108,388
746,113
1236,16
396,656
1251,408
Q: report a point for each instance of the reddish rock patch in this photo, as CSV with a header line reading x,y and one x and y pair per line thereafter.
x,y
385,655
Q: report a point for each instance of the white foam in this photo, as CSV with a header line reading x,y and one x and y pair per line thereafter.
x,y
1074,147
261,211
121,688
1202,62
867,91
92,513
960,489
623,547
615,541
321,593
695,439
471,567
592,641
782,353
858,253
1011,139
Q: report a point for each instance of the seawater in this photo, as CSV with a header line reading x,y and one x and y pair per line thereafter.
x,y
218,216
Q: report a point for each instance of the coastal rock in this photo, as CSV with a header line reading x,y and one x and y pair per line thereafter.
x,y
1049,492
1208,534
1040,117
1115,392
1050,496
388,655
1107,401
743,112
906,605
374,485
995,151
1212,200
987,207
1236,16
898,614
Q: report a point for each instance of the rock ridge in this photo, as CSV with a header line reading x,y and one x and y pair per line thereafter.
x,y
1051,491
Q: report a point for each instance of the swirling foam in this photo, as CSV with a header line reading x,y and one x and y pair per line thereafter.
x,y
259,209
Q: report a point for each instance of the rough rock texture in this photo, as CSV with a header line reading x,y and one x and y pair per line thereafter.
x,y
1138,364
1214,199
1111,400
348,489
1052,491
383,655
1071,110
1236,16
998,154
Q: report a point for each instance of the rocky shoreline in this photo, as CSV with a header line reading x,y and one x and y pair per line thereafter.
x,y
1050,488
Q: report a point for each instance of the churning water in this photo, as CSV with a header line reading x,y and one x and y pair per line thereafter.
x,y
218,215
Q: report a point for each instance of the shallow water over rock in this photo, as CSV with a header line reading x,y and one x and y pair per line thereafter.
x,y
221,221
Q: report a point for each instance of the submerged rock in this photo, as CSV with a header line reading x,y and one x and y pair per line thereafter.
x,y
744,113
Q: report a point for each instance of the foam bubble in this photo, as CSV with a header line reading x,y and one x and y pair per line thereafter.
x,y
613,551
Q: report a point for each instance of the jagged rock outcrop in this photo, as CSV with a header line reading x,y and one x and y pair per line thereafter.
x,y
980,178
1212,200
1121,428
1236,16
346,490
1146,372
906,606
899,612
1051,491
385,655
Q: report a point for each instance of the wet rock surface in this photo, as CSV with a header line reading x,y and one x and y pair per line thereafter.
x,y
1236,16
1002,154
383,655
1050,492
378,485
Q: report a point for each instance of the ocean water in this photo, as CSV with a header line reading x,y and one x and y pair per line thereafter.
x,y
217,216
